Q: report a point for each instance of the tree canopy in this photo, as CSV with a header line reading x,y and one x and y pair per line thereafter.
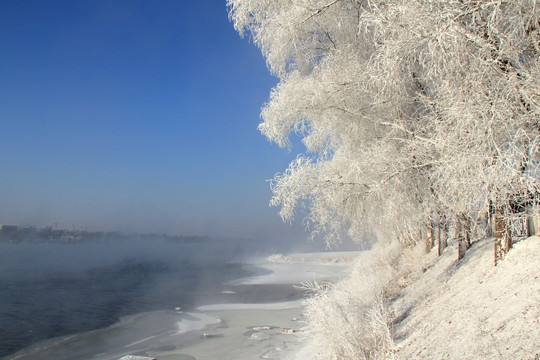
x,y
408,109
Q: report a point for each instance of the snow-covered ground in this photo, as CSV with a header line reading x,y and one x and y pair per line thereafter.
x,y
448,310
471,309
403,304
301,267
264,331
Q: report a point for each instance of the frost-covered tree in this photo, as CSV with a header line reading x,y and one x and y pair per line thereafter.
x,y
409,109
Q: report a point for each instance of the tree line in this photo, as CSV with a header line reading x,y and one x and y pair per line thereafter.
x,y
415,114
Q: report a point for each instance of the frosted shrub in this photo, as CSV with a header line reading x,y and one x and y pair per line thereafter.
x,y
349,320
411,266
278,258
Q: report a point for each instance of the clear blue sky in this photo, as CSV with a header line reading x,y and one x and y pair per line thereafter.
x,y
137,116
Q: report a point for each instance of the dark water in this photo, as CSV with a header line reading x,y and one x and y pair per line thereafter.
x,y
50,290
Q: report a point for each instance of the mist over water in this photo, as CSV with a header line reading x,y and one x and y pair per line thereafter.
x,y
52,289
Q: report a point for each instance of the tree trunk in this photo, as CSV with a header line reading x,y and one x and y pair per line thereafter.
x,y
437,234
463,230
460,240
468,232
432,234
443,237
489,220
439,238
531,223
430,237
507,239
502,234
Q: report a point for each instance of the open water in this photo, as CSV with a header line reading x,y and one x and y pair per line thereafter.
x,y
52,290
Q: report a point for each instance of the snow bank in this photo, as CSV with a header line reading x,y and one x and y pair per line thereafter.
x,y
265,330
240,306
471,309
347,320
402,304
136,357
301,267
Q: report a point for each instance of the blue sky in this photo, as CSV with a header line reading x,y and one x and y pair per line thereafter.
x,y
137,116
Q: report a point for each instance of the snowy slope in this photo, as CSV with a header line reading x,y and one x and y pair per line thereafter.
x,y
471,309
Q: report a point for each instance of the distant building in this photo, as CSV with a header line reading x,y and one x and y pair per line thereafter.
x,y
6,229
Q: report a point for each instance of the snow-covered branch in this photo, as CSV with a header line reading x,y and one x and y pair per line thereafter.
x,y
406,107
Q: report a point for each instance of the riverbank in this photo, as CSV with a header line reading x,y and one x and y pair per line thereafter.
x,y
267,326
263,330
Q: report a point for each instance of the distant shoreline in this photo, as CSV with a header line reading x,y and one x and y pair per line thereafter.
x,y
31,234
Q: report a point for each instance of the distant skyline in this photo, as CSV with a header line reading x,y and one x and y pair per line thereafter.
x,y
136,116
